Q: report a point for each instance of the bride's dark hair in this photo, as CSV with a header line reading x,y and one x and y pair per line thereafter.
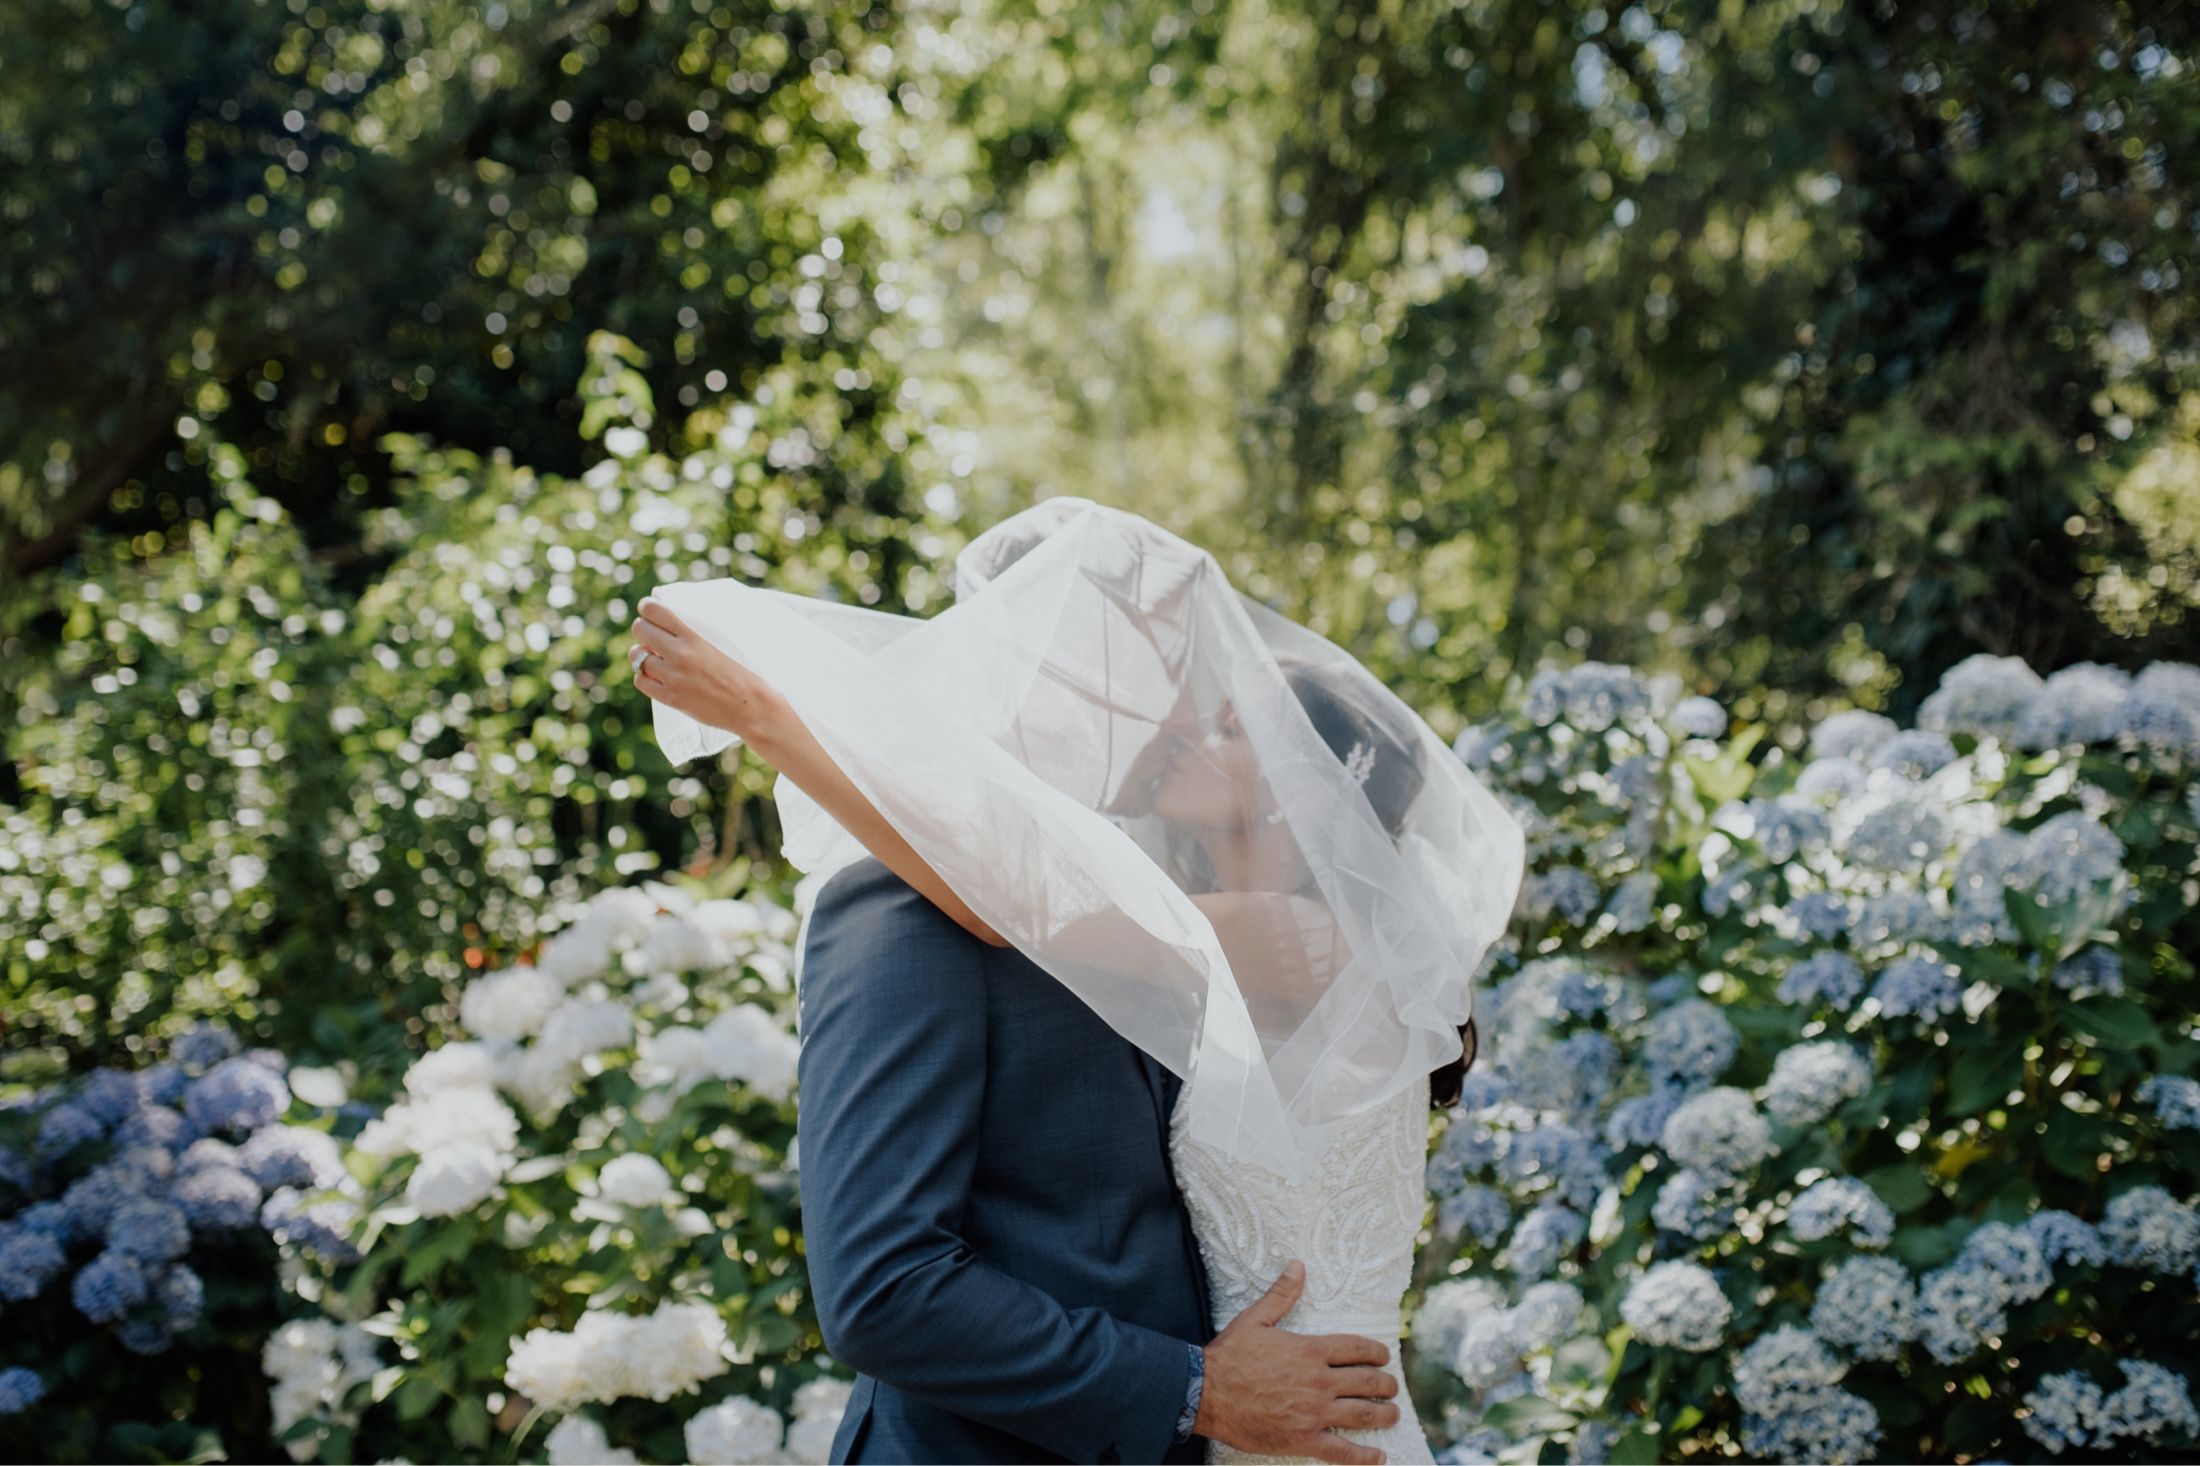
x,y
1394,781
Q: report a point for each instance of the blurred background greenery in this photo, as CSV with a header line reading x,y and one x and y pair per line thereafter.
x,y
362,362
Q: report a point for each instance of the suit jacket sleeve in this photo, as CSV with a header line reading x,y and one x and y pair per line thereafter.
x,y
892,1077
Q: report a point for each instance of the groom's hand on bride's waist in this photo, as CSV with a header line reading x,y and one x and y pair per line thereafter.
x,y
1277,1393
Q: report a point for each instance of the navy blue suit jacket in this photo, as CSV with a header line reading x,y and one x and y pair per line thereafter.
x,y
996,1242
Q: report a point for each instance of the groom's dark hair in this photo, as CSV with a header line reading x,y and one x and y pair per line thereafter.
x,y
1394,781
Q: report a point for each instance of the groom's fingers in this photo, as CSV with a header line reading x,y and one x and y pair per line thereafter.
x,y
1363,1415
1363,1384
1272,1305
1342,1349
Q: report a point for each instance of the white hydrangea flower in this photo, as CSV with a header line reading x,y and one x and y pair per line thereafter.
x,y
748,1045
583,1026
818,1408
455,1177
676,944
734,1432
454,1066
635,1180
578,1440
414,1127
509,1004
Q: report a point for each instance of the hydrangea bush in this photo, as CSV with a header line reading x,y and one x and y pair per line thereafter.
x,y
577,1236
144,1218
1837,1102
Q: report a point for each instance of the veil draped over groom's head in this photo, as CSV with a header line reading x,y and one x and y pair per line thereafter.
x,y
1213,825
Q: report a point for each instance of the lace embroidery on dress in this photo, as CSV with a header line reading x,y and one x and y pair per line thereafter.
x,y
1353,1224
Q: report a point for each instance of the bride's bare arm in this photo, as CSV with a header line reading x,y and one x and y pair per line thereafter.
x,y
688,673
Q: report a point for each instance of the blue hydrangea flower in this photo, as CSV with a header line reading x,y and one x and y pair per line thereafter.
x,y
1837,778
1543,1236
1810,1081
2080,703
2163,713
2064,1238
1690,1043
1546,1315
1692,1204
1902,914
1440,1321
1840,1202
65,1127
1899,835
149,1230
2176,1100
1924,988
1569,1075
2071,853
1958,1309
1634,904
2013,1257
236,1094
2064,1411
1783,827
1569,892
1982,694
2145,1227
1818,915
1852,733
2154,1402
204,1046
317,1222
1916,754
291,1155
1792,1408
110,1285
20,1389
162,1083
1568,1161
29,1260
1677,1305
1478,1211
1829,979
156,1126
1718,1132
1698,717
1637,1122
109,1094
1591,696
218,1198
2091,970
181,1295
91,1199
1867,1305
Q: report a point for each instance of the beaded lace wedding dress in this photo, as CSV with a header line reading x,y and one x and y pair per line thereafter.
x,y
1353,1224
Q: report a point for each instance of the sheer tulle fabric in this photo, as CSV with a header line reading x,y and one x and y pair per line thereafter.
x,y
1210,823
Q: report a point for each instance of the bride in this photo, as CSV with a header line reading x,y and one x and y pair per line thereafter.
x,y
1211,824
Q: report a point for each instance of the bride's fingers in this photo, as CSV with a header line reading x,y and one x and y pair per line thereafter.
x,y
655,637
657,613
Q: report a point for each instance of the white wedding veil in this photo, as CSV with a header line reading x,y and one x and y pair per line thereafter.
x,y
1211,824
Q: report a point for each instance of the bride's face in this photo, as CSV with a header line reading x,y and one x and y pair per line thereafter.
x,y
1197,771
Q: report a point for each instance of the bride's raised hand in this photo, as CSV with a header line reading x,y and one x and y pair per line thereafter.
x,y
675,666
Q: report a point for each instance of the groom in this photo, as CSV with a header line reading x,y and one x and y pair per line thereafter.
x,y
996,1243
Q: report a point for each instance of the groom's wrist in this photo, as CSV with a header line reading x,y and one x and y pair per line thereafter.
x,y
1187,1421
1195,1396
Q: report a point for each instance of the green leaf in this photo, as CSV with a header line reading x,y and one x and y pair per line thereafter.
x,y
1982,1078
2114,1023
1635,1448
1904,1188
